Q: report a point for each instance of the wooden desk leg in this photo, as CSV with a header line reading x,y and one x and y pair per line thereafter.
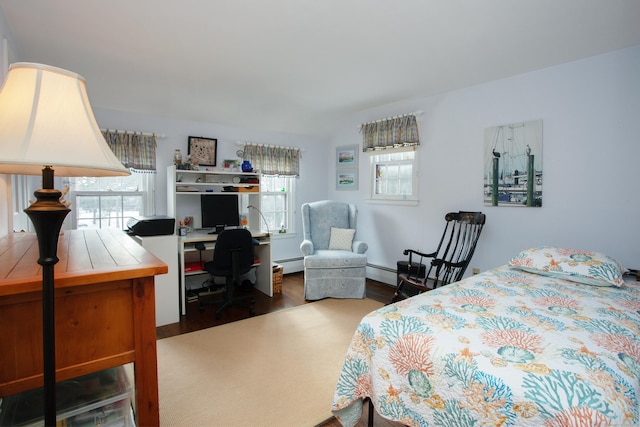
x,y
146,363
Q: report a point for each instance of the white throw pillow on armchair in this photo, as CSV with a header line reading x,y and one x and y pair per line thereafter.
x,y
341,238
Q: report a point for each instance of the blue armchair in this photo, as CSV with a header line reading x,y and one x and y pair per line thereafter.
x,y
334,261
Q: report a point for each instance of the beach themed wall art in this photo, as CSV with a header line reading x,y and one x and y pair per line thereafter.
x,y
513,165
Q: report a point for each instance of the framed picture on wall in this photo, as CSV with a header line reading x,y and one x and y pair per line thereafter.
x,y
347,156
347,179
203,150
513,164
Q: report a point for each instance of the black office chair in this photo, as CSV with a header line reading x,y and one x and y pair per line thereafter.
x,y
448,262
232,257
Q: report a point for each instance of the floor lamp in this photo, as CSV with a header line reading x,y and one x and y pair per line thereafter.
x,y
46,122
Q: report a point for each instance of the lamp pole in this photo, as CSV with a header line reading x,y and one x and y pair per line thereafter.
x,y
47,215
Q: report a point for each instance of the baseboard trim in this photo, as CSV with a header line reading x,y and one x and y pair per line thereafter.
x,y
292,265
382,274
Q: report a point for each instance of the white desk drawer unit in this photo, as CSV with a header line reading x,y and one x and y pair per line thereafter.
x,y
167,285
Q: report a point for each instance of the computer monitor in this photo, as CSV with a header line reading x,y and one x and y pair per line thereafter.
x,y
219,211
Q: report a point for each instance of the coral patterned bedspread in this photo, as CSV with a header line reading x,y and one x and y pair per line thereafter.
x,y
502,348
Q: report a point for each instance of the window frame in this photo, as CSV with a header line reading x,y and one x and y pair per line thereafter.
x,y
399,199
147,196
100,195
290,209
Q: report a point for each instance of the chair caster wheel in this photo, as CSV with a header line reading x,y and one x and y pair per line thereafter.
x,y
252,312
218,316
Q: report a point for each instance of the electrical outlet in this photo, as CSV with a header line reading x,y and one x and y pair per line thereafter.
x,y
475,271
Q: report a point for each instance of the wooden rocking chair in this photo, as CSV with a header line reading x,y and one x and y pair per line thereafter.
x,y
448,262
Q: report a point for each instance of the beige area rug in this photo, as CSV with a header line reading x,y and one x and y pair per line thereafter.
x,y
279,369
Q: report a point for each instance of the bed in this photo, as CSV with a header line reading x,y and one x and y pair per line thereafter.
x,y
551,339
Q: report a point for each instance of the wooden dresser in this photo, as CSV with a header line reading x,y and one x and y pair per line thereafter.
x,y
104,312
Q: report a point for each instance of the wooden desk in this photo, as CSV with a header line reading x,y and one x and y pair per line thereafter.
x,y
104,312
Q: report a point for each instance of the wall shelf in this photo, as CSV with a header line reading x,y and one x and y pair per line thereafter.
x,y
183,185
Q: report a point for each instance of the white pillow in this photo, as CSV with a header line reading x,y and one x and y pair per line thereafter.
x,y
341,239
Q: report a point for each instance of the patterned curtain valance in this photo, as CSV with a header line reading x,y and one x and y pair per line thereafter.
x,y
394,132
135,150
273,160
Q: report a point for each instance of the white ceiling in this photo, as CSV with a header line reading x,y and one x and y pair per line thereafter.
x,y
301,66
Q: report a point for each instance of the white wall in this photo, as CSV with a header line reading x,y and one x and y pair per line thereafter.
x,y
177,132
591,150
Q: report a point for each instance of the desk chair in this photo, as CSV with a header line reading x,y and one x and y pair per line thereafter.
x,y
448,262
232,257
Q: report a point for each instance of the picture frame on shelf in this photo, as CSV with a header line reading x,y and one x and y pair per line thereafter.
x,y
347,156
347,179
203,150
230,164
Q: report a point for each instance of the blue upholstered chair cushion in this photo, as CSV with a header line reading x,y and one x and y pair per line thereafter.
x,y
325,258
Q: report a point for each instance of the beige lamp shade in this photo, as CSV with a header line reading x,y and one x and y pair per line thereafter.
x,y
46,120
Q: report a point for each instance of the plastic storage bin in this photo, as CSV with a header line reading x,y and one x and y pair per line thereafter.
x,y
98,399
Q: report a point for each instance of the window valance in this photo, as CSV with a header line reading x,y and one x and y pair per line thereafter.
x,y
136,151
394,132
273,160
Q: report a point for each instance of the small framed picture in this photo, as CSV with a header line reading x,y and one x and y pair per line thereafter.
x,y
203,150
347,179
347,156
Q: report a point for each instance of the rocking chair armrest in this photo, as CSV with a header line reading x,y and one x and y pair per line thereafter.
x,y
440,262
411,252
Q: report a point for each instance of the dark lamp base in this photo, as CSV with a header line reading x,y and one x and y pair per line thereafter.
x,y
47,215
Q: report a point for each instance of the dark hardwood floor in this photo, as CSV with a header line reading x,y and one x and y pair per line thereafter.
x,y
292,295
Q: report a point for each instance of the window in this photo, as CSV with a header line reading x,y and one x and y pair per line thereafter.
x,y
111,201
278,203
280,166
392,143
394,176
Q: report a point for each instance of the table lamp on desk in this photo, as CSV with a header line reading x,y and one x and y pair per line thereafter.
x,y
46,122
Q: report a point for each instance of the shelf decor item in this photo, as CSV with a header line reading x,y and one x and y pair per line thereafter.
x,y
203,150
230,164
246,166
177,157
